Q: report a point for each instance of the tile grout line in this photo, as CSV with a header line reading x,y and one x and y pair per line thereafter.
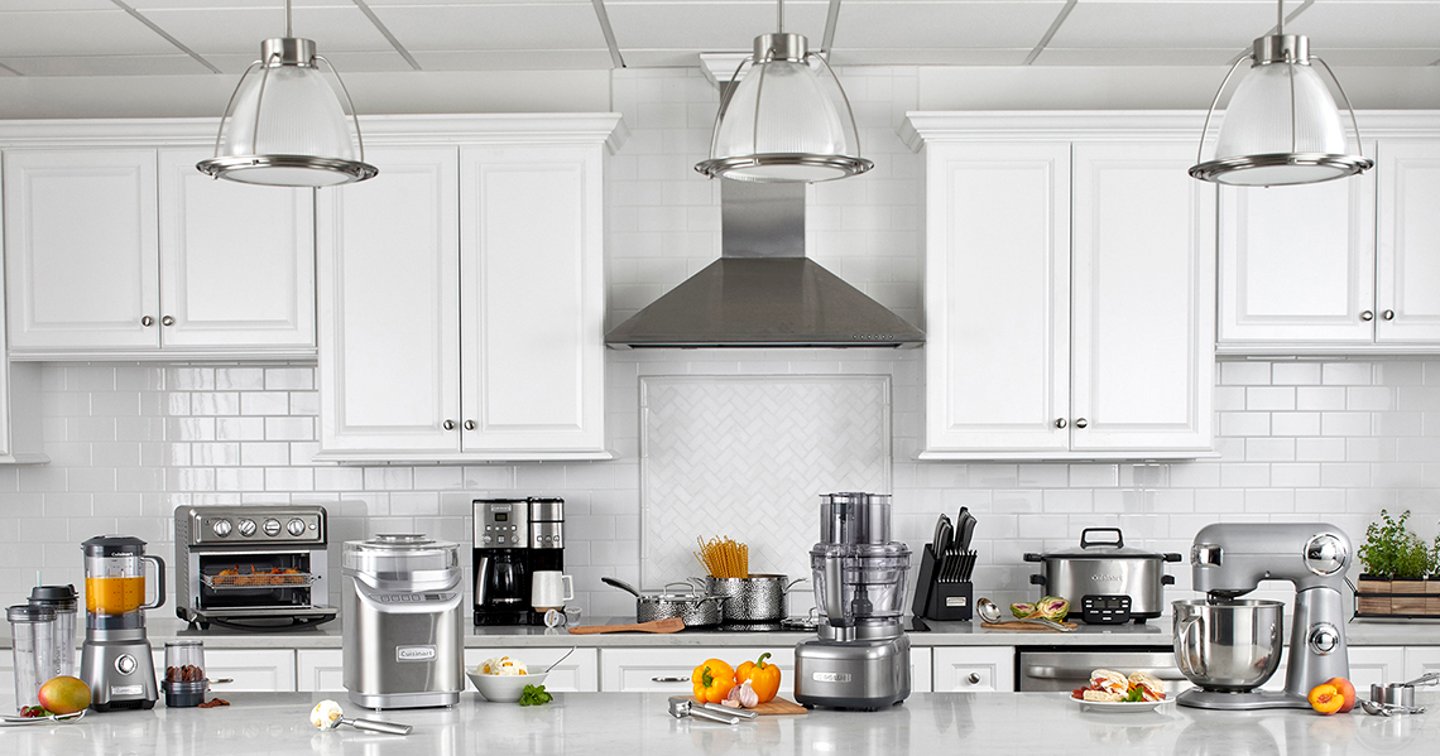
x,y
387,34
138,16
1050,33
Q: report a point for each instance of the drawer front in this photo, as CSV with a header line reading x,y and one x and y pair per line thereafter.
x,y
974,670
668,670
252,670
578,674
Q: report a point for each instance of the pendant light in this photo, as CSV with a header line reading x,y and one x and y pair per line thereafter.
x,y
783,121
1282,126
285,126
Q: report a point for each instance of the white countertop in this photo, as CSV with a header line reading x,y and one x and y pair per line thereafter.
x,y
612,723
1154,634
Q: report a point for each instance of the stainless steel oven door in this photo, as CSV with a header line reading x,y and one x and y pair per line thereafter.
x,y
250,579
1068,670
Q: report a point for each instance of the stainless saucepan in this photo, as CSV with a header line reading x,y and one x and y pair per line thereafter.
x,y
695,609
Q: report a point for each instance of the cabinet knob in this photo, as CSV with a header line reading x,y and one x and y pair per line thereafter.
x,y
469,425
168,320
147,321
1388,314
1367,316
1081,422
1061,422
973,678
448,425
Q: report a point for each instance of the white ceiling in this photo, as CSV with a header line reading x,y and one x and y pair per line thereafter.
x,y
140,37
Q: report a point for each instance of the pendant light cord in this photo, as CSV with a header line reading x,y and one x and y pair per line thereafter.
x,y
780,15
289,31
1280,17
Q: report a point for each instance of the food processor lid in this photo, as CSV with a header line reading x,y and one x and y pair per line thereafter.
x,y
113,545
58,597
30,613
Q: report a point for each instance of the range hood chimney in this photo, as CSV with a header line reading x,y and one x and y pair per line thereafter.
x,y
763,291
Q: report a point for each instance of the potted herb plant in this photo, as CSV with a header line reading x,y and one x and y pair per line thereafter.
x,y
1396,563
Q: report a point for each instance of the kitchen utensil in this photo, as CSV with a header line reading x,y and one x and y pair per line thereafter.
x,y
731,710
503,688
327,715
991,616
667,625
13,721
1381,709
115,660
63,600
757,598
1232,646
33,630
556,663
944,535
780,707
696,609
682,706
1402,694
1105,568
1429,678
403,640
965,528
550,589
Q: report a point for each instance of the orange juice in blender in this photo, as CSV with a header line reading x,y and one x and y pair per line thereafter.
x,y
114,595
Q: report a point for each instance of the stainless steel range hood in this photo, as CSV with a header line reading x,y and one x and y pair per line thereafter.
x,y
763,291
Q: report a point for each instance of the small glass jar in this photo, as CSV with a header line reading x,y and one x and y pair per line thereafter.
x,y
33,630
185,682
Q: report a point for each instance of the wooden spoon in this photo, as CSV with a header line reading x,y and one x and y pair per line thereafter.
x,y
668,625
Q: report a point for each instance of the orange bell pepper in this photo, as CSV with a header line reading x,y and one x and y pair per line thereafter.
x,y
712,681
764,678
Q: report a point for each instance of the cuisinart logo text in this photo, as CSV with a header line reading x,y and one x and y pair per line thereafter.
x,y
1100,578
414,653
831,677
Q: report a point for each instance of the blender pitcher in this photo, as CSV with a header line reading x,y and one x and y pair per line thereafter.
x,y
115,659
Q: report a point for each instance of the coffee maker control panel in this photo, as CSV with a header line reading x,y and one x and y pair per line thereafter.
x,y
502,524
547,535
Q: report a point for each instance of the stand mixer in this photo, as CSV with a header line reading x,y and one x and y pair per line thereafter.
x,y
1229,647
861,659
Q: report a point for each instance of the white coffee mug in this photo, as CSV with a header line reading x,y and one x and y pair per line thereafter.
x,y
550,589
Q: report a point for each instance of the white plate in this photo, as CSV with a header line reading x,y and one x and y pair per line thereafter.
x,y
1120,707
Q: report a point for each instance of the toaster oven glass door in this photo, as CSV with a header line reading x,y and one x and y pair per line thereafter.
x,y
252,580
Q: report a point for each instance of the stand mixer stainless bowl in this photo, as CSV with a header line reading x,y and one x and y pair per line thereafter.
x,y
1230,647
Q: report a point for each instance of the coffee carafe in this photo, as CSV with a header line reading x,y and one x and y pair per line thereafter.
x,y
115,659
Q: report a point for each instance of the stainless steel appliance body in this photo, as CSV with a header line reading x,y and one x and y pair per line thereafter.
x,y
1069,668
255,567
1228,560
115,660
694,608
861,657
514,538
403,640
1106,581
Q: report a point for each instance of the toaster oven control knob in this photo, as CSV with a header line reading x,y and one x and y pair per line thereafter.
x,y
295,527
272,527
220,528
247,527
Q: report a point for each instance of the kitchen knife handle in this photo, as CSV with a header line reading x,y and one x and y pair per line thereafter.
x,y
1034,558
389,728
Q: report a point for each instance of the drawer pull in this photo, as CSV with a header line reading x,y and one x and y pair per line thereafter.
x,y
663,678
973,678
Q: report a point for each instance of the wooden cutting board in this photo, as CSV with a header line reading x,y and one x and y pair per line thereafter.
x,y
1025,627
780,707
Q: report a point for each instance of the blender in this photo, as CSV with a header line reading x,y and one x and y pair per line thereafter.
x,y
115,660
861,659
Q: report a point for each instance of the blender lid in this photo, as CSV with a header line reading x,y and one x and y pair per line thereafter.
x,y
114,545
30,613
58,597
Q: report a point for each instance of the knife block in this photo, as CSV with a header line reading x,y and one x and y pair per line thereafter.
x,y
944,602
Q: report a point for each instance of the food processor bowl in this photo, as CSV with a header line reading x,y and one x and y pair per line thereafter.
x,y
1231,646
856,584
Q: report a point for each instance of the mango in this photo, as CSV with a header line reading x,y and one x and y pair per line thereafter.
x,y
65,695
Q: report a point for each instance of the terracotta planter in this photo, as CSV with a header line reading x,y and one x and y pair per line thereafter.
x,y
1409,604
1372,599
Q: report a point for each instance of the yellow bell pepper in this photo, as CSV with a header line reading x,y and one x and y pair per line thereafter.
x,y
712,681
764,678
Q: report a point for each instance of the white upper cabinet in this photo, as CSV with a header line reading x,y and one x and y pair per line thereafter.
x,y
1297,263
389,336
1143,315
80,249
532,299
1069,292
1407,305
237,262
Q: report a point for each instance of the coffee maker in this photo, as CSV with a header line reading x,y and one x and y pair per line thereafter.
x,y
1230,646
115,659
514,538
861,659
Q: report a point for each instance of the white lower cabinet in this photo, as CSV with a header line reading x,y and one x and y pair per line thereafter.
x,y
319,669
1368,665
323,669
974,669
1419,660
250,670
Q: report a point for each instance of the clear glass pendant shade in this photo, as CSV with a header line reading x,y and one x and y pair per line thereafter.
x,y
1261,120
797,113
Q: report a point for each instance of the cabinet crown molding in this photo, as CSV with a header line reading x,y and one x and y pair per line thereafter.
x,y
485,128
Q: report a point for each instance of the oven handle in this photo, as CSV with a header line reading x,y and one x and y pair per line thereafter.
x,y
1047,672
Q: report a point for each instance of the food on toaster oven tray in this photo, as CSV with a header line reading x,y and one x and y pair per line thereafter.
x,y
273,576
1107,685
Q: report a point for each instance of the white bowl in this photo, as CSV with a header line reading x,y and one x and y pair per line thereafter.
x,y
503,688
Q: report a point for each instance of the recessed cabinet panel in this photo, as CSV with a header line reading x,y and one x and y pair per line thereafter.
x,y
1143,314
1297,263
532,306
389,338
1408,302
80,249
237,261
997,296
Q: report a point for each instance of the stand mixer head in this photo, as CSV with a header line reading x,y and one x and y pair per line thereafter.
x,y
1230,647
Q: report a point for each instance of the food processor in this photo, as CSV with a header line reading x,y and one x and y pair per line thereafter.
x,y
861,659
115,659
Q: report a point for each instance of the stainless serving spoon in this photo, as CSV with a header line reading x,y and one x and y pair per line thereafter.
x,y
990,614
327,715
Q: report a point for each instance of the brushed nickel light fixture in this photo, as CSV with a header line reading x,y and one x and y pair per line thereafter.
x,y
783,122
286,126
1282,126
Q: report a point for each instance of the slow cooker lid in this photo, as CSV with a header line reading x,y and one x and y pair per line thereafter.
x,y
1103,543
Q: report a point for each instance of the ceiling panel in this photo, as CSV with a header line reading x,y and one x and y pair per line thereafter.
x,y
106,65
453,28
1186,24
930,57
275,6
1060,56
1372,23
1389,56
977,24
55,5
505,60
347,62
112,32
706,25
239,30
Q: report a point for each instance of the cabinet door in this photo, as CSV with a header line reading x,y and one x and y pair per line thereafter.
x,y
1419,660
1372,665
389,262
237,262
1297,263
249,670
974,669
1408,290
532,301
578,674
80,249
997,297
668,670
1142,328
319,669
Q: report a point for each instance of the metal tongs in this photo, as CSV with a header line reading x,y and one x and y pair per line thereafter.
x,y
684,706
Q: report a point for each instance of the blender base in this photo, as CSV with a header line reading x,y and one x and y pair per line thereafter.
x,y
1199,698
865,674
120,673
